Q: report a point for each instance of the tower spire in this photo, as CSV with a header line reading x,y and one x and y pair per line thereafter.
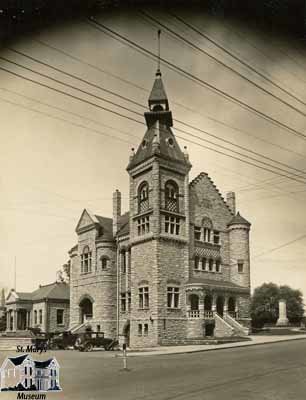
x,y
158,72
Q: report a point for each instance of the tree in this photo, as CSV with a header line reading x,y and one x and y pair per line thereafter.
x,y
63,275
264,305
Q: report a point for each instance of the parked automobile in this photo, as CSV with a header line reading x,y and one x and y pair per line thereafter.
x,y
88,340
63,340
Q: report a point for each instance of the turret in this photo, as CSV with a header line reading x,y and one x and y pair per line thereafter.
x,y
239,229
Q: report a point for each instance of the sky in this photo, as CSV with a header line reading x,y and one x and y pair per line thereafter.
x,y
59,155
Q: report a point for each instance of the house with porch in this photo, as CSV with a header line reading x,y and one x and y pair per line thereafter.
x,y
176,266
46,308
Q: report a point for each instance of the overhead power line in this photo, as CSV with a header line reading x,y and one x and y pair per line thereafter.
x,y
280,247
244,63
189,109
128,99
134,120
103,28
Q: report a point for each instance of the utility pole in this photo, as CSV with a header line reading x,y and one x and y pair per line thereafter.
x,y
15,273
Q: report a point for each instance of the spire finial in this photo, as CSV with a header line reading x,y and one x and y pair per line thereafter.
x,y
158,73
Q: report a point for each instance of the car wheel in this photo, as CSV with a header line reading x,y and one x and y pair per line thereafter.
x,y
89,347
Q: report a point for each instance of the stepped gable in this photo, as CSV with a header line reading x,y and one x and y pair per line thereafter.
x,y
239,220
202,175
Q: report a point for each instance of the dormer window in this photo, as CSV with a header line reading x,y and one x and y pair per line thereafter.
x,y
143,197
171,196
86,260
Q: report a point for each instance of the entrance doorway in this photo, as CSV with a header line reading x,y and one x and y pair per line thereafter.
x,y
220,305
86,310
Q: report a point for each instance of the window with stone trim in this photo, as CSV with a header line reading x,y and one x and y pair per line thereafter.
x,y
143,225
123,302
123,262
196,262
104,262
204,264
86,260
143,295
139,329
197,232
143,197
145,330
40,317
216,237
171,196
210,265
129,301
240,266
35,317
218,265
60,316
173,296
172,225
207,235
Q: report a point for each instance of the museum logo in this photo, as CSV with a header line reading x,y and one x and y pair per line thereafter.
x,y
23,374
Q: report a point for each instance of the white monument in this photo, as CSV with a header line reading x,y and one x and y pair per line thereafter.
x,y
282,319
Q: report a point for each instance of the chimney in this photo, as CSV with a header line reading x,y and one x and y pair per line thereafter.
x,y
116,210
231,201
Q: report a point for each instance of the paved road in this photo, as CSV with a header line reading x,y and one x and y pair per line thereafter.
x,y
268,372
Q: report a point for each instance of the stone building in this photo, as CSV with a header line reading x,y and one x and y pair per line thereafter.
x,y
46,308
176,267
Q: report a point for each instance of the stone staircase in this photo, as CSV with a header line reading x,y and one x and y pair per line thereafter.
x,y
237,327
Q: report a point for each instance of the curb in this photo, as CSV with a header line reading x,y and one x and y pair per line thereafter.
x,y
150,353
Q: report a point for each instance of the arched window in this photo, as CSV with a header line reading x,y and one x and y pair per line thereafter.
x,y
104,262
143,197
171,196
86,260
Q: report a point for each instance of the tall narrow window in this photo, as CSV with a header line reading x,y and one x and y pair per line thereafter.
x,y
197,233
123,302
139,329
143,225
129,301
207,233
123,262
240,266
144,297
207,230
145,329
196,262
35,317
211,265
218,266
143,197
216,237
104,262
60,317
40,317
86,260
173,294
172,225
204,261
171,196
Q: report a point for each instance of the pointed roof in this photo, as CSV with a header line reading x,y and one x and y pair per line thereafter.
x,y
239,220
158,93
19,360
160,141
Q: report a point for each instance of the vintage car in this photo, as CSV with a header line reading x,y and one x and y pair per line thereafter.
x,y
63,340
87,341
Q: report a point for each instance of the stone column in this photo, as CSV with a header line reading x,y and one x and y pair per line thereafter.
x,y
8,314
225,305
282,319
214,303
15,314
201,304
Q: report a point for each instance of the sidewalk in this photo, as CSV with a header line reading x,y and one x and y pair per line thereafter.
x,y
256,340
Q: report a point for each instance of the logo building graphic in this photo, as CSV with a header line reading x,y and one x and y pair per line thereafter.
x,y
22,373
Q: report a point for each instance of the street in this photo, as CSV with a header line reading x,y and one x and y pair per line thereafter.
x,y
267,372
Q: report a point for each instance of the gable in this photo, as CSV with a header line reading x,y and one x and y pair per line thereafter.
x,y
85,220
206,202
12,297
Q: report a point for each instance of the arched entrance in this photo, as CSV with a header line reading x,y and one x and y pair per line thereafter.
x,y
86,309
220,305
194,302
231,307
